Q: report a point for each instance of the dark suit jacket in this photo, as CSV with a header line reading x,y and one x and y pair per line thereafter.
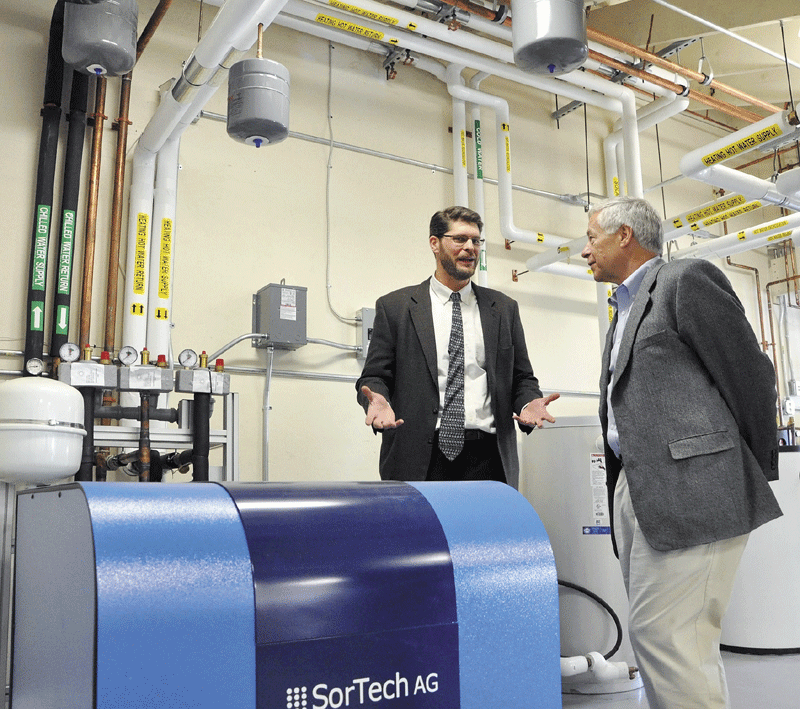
x,y
694,400
402,365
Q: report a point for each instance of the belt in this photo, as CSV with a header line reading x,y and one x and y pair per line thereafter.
x,y
475,434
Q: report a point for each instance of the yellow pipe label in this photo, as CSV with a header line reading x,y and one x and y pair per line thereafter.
x,y
723,206
165,258
463,148
677,223
770,227
140,262
540,237
741,146
782,235
616,186
741,236
386,19
732,213
351,27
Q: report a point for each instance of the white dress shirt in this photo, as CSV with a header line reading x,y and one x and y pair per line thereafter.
x,y
477,401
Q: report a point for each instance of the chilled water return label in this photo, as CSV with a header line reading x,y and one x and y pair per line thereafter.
x,y
597,481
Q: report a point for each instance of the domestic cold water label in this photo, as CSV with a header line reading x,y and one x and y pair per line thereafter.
x,y
597,481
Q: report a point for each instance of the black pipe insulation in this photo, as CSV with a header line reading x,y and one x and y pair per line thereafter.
x,y
201,413
79,96
40,239
84,473
132,412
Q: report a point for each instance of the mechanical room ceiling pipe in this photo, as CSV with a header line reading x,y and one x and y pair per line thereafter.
x,y
227,36
703,164
45,176
460,179
478,185
719,210
744,240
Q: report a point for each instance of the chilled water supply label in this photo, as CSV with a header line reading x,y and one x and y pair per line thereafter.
x,y
597,481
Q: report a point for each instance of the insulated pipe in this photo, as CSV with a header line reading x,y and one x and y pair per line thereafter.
x,y
201,413
586,88
79,95
478,191
45,176
652,114
745,240
159,301
460,182
91,209
507,228
564,251
84,473
708,214
703,164
582,273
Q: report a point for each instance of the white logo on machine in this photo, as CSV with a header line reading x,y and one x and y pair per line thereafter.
x,y
359,691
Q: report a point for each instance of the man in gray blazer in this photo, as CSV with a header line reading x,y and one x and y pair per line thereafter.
x,y
415,379
688,414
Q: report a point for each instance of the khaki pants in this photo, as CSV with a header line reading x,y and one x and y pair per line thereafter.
x,y
677,600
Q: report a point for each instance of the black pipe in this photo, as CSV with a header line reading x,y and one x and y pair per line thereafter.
x,y
40,238
202,436
178,459
84,473
79,95
132,412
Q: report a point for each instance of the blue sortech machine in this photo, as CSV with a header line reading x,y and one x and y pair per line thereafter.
x,y
283,596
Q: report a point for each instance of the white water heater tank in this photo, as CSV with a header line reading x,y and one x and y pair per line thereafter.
x,y
549,36
41,430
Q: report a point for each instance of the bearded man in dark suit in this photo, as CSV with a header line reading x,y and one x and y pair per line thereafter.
x,y
446,404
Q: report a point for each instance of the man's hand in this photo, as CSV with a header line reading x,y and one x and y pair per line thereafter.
x,y
380,414
535,412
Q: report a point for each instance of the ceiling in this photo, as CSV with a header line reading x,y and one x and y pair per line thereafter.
x,y
649,25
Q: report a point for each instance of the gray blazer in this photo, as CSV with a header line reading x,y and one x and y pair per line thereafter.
x,y
694,400
402,365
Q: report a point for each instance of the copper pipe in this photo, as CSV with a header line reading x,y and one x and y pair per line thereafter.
x,y
727,108
764,343
633,50
91,210
116,214
152,26
773,344
121,125
618,44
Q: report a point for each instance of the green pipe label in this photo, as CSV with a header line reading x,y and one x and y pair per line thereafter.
x,y
478,151
39,274
37,316
62,320
65,258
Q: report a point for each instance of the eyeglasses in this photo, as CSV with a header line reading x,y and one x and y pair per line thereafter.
x,y
460,240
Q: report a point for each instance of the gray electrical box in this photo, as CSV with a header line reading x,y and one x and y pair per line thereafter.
x,y
366,321
279,311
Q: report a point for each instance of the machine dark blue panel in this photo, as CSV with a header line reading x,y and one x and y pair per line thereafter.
x,y
344,559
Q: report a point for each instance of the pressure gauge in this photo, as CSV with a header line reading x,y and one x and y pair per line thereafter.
x,y
188,358
34,366
128,355
69,352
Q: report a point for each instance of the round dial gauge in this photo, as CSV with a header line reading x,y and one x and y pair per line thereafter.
x,y
34,366
128,355
188,358
69,352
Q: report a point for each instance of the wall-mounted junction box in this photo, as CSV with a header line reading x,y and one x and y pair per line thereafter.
x,y
365,323
279,312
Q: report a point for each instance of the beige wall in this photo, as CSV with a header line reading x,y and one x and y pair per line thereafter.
x,y
250,217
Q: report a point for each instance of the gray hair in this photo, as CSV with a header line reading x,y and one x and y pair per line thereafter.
x,y
634,212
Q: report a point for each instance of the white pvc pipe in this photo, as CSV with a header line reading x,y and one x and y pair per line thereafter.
x,y
706,215
582,273
159,310
744,240
567,249
460,179
478,184
704,165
